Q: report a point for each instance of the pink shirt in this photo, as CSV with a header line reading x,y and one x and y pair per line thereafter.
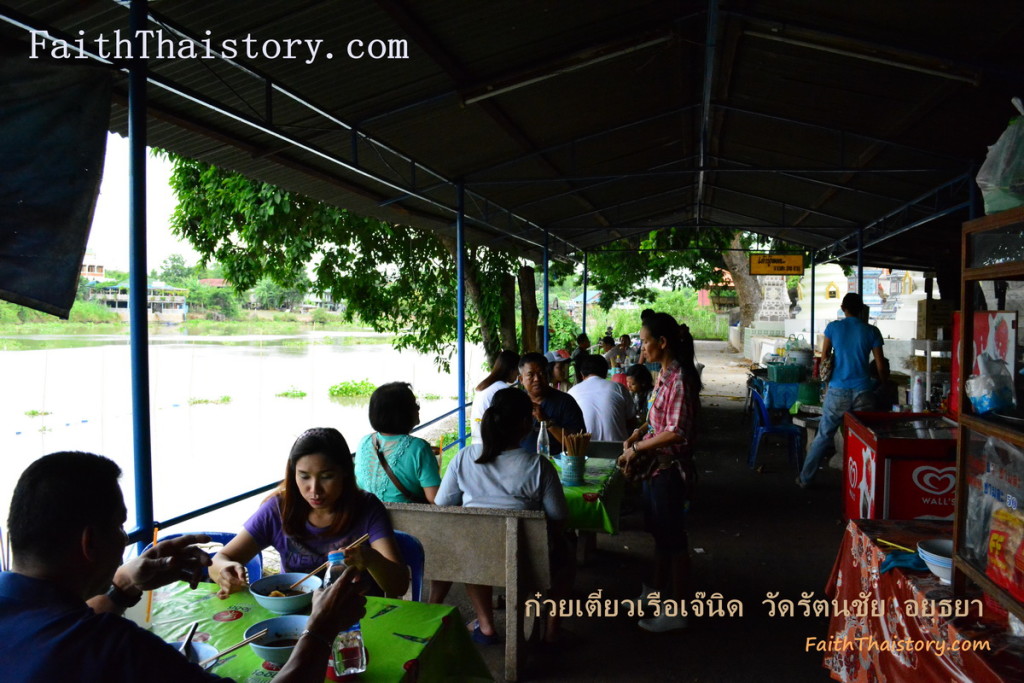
x,y
673,411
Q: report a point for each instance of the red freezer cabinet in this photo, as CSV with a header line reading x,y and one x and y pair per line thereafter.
x,y
899,466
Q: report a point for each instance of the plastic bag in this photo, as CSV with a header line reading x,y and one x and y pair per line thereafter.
x,y
1001,176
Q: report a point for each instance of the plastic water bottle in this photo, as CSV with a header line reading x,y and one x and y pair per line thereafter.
x,y
543,443
917,394
349,653
335,568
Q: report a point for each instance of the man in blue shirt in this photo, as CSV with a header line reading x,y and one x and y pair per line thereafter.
x,y
851,386
60,607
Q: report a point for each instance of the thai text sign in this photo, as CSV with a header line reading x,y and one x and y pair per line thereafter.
x,y
776,264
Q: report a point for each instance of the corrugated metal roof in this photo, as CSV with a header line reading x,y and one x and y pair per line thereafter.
x,y
585,116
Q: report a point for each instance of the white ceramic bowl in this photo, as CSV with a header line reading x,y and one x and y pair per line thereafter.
x,y
937,553
289,604
198,652
286,628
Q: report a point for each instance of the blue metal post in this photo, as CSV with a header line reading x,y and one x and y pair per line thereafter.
x,y
813,292
460,328
547,320
137,279
585,274
860,262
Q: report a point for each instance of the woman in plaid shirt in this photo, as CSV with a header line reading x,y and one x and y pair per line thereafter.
x,y
662,457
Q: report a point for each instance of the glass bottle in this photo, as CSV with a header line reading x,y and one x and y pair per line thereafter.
x,y
335,567
543,442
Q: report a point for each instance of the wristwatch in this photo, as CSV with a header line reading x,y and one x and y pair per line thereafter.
x,y
121,599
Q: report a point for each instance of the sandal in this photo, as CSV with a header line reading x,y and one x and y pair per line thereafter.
x,y
482,638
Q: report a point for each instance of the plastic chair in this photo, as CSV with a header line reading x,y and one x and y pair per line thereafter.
x,y
763,427
253,567
412,553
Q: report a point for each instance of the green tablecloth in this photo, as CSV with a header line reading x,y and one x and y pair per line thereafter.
x,y
409,641
593,506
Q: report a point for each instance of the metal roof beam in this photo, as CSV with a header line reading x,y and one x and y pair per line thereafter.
x,y
945,200
620,205
711,41
576,141
794,175
840,132
783,205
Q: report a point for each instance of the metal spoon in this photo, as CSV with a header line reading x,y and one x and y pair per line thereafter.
x,y
186,645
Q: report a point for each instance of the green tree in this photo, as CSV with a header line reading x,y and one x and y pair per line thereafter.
x,y
175,272
631,268
397,279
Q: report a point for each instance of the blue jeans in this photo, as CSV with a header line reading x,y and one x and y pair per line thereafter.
x,y
837,403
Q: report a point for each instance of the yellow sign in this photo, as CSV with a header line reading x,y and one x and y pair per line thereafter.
x,y
776,264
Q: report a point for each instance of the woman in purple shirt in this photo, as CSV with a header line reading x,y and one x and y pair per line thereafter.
x,y
317,509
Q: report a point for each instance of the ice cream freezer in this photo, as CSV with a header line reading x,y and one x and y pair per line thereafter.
x,y
899,466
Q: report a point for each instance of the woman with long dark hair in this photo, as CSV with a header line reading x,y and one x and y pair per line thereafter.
x,y
503,375
501,474
662,457
317,509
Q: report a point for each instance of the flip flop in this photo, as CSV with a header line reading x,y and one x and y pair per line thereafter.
x,y
482,638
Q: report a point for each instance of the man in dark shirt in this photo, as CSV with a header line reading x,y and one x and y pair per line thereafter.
x,y
60,607
557,408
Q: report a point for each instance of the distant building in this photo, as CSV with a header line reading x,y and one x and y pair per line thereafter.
x,y
217,282
163,303
92,270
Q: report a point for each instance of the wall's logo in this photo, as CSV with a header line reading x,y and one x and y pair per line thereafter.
x,y
853,474
935,481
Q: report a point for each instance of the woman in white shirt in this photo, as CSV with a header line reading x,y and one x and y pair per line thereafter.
x,y
503,375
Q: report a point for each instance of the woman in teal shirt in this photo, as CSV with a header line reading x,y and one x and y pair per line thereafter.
x,y
393,414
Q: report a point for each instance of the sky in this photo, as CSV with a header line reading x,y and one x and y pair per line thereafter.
x,y
108,238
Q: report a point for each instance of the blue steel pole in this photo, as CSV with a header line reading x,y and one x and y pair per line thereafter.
x,y
460,329
547,320
860,262
585,274
137,280
813,291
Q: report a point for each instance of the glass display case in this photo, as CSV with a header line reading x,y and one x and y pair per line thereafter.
x,y
989,520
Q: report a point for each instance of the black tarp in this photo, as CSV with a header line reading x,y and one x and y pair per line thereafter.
x,y
53,133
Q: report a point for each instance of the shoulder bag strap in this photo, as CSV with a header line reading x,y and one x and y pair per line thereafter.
x,y
391,475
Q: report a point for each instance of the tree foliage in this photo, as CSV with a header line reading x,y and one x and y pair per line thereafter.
x,y
397,279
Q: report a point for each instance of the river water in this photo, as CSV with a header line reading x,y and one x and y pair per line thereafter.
x,y
202,452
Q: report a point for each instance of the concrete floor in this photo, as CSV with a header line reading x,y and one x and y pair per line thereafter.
x,y
751,533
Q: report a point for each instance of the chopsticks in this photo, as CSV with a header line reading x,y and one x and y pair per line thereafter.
x,y
576,444
358,542
895,545
255,636
317,570
188,638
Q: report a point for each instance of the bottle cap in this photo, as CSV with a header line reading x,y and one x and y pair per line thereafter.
x,y
336,556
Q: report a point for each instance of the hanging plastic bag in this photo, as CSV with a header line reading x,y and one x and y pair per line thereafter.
x,y
1001,176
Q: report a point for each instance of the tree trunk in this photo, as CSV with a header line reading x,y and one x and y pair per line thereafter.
x,y
507,323
748,291
488,331
529,312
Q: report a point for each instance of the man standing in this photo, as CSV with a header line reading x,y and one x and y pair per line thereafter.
x,y
851,386
60,607
557,408
607,406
